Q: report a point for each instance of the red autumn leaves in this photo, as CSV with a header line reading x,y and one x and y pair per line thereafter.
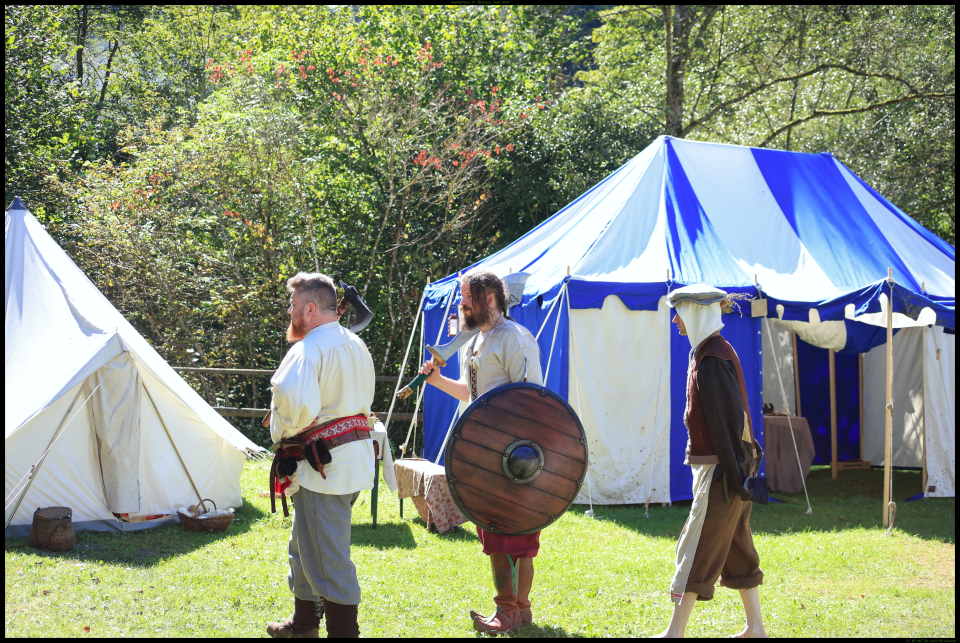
x,y
424,159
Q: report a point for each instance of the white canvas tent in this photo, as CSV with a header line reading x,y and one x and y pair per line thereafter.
x,y
113,427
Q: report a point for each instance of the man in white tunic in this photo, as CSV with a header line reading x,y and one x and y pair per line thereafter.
x,y
322,392
503,352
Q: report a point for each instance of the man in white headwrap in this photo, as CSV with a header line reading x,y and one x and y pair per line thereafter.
x,y
716,541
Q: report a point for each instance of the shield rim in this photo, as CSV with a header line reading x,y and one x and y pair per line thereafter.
x,y
452,438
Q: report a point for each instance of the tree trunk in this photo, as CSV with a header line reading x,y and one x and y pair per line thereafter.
x,y
677,23
81,40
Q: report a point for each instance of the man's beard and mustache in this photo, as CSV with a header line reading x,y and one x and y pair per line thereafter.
x,y
297,329
475,317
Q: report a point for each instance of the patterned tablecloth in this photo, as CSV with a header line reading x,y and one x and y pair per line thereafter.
x,y
426,483
783,474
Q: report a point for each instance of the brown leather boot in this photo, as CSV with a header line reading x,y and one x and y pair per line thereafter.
x,y
524,583
506,618
341,620
302,624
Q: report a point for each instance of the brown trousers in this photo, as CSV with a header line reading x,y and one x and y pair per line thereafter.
x,y
725,550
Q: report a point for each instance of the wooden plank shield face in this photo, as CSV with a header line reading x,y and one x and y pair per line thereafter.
x,y
516,459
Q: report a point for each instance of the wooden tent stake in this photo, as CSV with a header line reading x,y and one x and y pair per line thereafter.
x,y
833,416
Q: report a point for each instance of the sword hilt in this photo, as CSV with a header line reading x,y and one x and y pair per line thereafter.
x,y
407,390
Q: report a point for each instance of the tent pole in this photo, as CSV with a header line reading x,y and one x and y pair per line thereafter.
x,y
403,367
923,411
860,365
416,408
796,373
34,473
833,416
176,450
576,381
888,434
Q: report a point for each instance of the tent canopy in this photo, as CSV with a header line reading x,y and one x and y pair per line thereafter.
x,y
800,230
684,212
132,421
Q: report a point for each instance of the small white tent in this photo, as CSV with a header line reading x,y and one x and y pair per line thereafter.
x,y
95,419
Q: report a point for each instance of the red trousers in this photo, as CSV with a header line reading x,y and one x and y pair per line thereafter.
x,y
513,546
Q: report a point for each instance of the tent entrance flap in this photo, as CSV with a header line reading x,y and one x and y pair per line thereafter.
x,y
621,364
116,416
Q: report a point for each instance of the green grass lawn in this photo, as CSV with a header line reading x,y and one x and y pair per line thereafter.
x,y
835,573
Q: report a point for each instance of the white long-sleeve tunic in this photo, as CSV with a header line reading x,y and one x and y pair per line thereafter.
x,y
327,375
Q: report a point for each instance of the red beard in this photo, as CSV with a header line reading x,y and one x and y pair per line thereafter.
x,y
297,329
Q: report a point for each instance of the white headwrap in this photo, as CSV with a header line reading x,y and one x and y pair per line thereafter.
x,y
700,320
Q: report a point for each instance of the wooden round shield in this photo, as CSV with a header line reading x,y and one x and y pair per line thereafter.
x,y
516,459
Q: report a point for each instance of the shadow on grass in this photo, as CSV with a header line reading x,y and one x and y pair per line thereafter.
x,y
147,547
389,535
465,532
535,631
855,500
852,501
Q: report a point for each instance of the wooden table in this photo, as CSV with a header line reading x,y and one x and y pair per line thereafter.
x,y
783,473
426,483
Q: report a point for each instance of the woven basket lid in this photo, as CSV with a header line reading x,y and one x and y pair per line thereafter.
x,y
54,513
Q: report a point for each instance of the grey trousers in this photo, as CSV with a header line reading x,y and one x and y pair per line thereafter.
x,y
319,549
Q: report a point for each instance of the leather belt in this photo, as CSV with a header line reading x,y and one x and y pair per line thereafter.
x,y
348,437
352,435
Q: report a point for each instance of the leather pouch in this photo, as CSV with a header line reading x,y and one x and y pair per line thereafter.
x,y
757,488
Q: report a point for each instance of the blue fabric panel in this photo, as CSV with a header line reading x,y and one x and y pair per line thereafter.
x,y
590,294
696,252
743,333
814,367
847,368
438,407
863,337
532,316
814,372
681,478
829,218
867,300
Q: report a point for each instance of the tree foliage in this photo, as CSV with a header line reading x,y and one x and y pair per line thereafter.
x,y
192,158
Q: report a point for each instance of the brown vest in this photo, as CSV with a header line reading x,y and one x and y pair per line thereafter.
x,y
700,449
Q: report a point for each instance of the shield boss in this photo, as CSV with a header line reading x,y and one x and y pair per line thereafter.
x,y
516,459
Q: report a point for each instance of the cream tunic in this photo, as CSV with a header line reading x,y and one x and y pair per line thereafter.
x,y
327,375
507,354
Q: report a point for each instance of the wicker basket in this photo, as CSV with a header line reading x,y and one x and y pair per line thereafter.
x,y
193,523
52,529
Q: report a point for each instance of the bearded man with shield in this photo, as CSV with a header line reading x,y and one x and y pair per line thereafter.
x,y
517,457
